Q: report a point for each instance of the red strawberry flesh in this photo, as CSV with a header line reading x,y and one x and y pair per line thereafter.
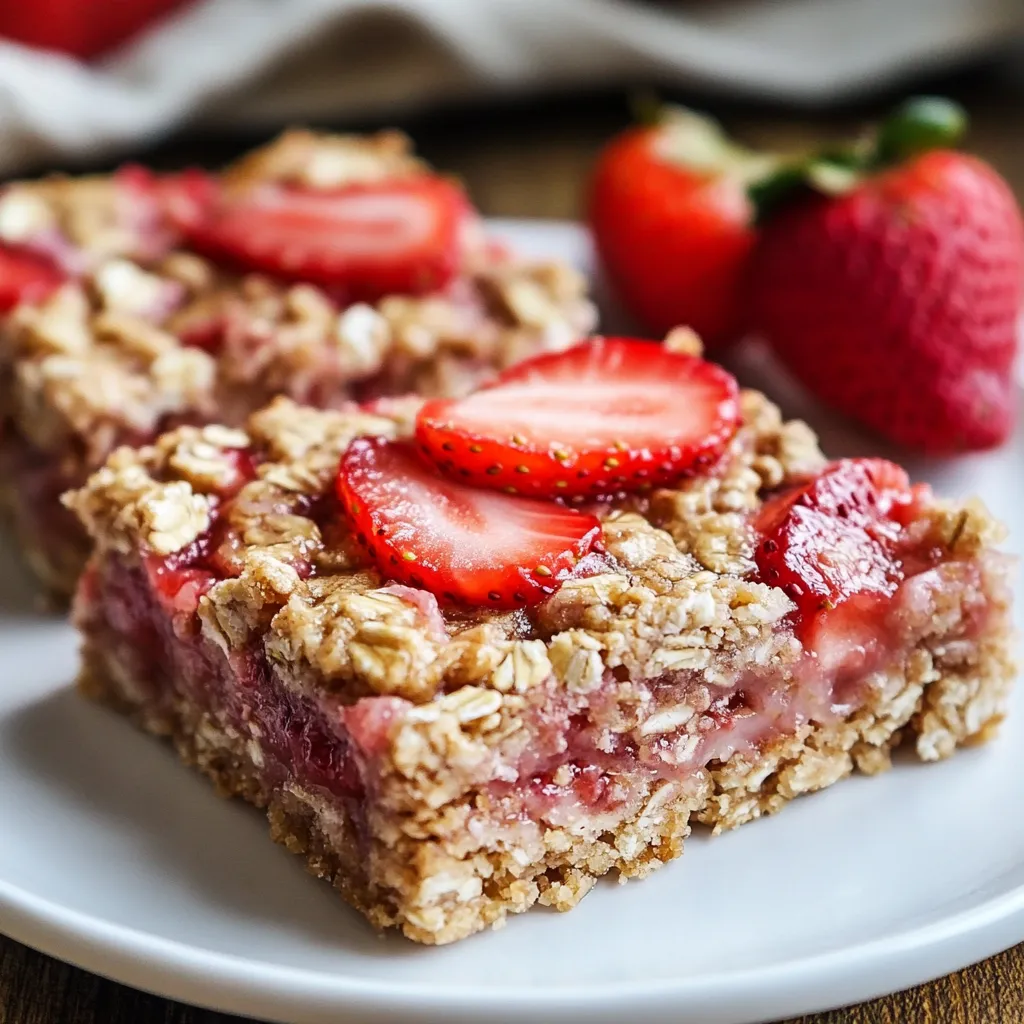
x,y
25,277
823,560
832,539
899,303
464,545
369,240
611,414
863,491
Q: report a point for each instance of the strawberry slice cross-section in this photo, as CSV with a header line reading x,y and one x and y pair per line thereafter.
x,y
367,240
608,415
865,492
831,542
466,546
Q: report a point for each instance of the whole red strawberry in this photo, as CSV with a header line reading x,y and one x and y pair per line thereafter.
x,y
673,225
896,299
82,28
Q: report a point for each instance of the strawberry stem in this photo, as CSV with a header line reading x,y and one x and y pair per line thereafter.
x,y
830,172
915,126
919,124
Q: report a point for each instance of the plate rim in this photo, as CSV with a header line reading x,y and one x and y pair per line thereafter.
x,y
236,984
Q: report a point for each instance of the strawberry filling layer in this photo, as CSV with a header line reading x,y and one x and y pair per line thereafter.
x,y
143,617
583,759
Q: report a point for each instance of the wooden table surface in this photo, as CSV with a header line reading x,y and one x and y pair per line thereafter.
x,y
529,159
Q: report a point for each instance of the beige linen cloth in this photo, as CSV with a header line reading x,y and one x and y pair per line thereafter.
x,y
234,63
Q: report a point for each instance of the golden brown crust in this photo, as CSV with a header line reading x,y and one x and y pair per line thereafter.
x,y
325,161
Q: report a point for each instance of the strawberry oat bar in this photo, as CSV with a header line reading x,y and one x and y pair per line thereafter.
x,y
325,268
456,702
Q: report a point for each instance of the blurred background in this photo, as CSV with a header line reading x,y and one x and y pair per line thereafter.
x,y
515,95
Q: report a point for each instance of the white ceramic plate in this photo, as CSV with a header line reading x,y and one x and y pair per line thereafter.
x,y
116,858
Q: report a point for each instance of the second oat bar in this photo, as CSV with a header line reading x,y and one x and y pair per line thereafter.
x,y
123,330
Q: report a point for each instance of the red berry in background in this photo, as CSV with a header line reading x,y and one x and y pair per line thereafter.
x,y
673,225
897,300
80,28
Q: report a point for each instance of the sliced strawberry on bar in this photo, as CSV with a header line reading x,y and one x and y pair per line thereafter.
x,y
609,415
368,240
25,277
466,546
831,539
865,491
820,560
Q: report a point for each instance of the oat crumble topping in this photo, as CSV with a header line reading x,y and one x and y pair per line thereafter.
x,y
667,600
324,161
80,221
143,337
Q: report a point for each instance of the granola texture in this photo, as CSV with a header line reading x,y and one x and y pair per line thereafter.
x,y
144,336
453,709
79,222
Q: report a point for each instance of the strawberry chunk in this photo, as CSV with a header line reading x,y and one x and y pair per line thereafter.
x,y
367,240
609,415
178,588
847,639
821,561
833,538
674,226
157,207
465,546
865,491
25,277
